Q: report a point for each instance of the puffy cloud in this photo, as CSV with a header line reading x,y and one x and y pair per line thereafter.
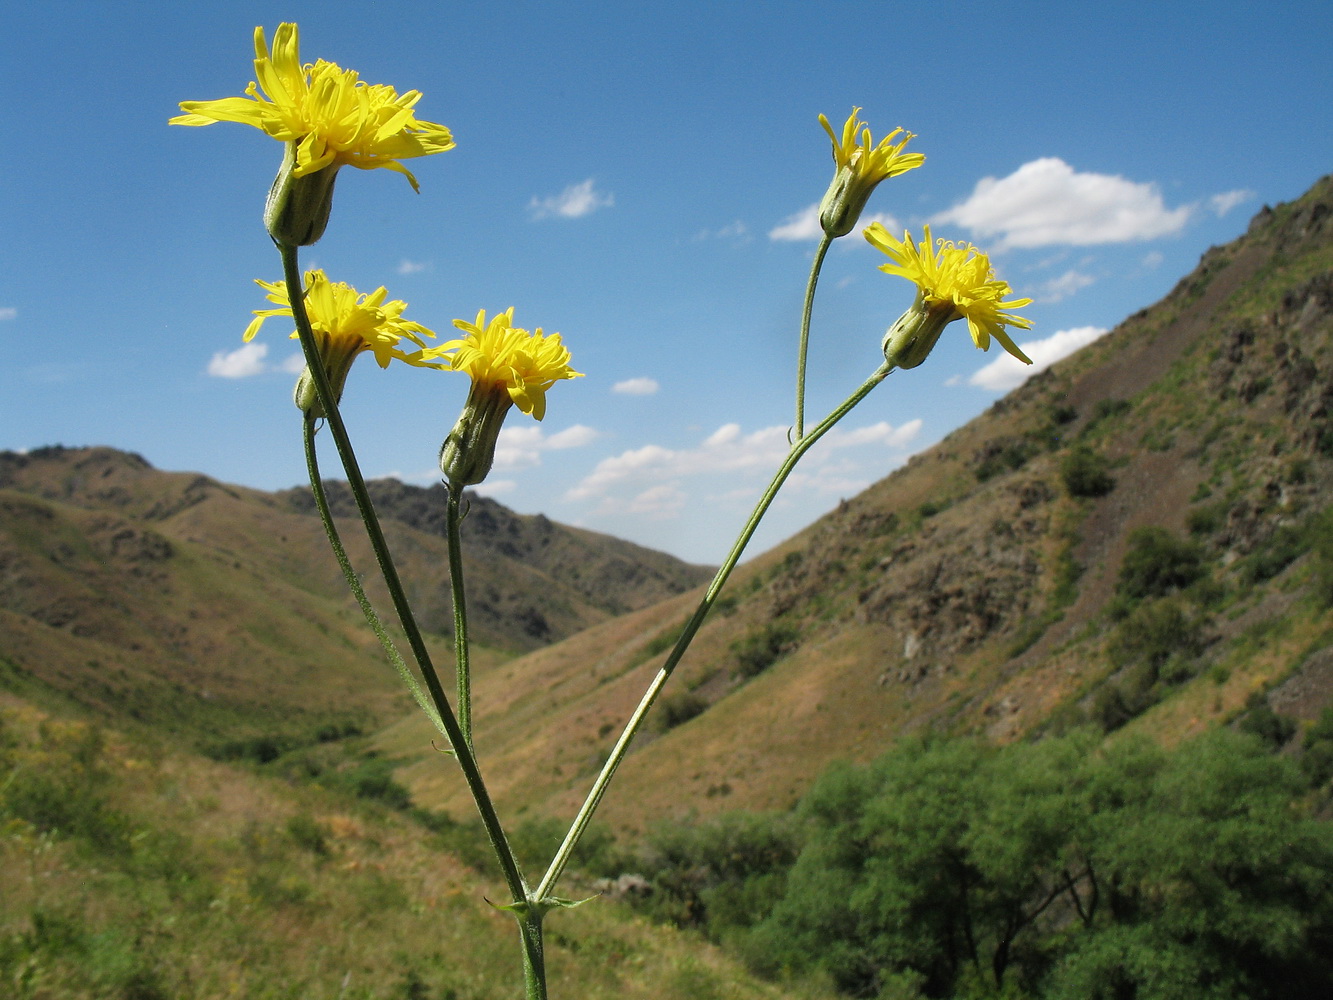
x,y
293,364
1223,203
406,266
804,225
493,487
1153,259
1007,372
1046,202
571,203
520,445
636,387
8,312
575,436
246,360
1064,286
889,222
652,475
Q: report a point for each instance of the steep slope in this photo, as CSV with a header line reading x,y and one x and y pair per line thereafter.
x,y
175,599
1002,581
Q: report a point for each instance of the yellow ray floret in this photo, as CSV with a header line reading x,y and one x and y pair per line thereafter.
x,y
344,322
959,278
332,117
872,161
497,353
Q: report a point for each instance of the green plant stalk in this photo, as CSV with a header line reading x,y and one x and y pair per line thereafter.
x,y
354,583
618,752
534,953
825,242
463,668
466,761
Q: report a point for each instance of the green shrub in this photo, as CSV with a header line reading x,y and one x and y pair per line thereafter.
x,y
1286,545
1206,519
1320,534
1272,729
763,647
308,833
1156,633
1085,473
1158,563
676,709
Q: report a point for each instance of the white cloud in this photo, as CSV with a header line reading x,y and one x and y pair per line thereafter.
x,y
575,436
663,501
804,225
636,387
1153,259
1007,372
737,232
243,362
1227,200
1046,202
571,203
8,312
1064,286
520,446
293,364
889,222
649,480
880,433
494,487
406,266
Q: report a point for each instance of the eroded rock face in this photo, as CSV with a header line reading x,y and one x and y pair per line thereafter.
x,y
946,603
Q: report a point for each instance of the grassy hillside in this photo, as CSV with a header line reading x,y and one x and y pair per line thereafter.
x,y
178,601
1136,537
133,871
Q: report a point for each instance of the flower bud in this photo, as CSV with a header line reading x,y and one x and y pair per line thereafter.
x,y
337,355
469,451
844,200
297,210
914,335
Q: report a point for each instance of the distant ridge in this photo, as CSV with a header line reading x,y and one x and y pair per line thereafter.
x,y
171,598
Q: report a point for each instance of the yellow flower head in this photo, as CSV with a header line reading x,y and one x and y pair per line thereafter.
x,y
329,115
861,163
498,354
345,324
509,367
953,282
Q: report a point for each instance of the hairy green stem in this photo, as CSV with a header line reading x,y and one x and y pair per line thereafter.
x,y
825,241
534,954
463,669
354,582
329,404
618,752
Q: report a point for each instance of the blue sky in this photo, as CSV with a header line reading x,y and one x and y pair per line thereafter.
x,y
638,178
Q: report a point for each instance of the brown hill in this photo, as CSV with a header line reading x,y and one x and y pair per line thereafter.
x,y
1001,582
178,600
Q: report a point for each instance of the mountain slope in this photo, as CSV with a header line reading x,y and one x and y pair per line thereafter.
x,y
175,599
997,583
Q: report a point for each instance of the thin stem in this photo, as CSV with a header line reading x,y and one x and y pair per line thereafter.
x,y
354,582
618,752
453,519
534,956
825,242
466,761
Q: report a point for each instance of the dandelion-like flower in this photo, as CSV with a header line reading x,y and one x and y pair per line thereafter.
x,y
345,324
509,366
953,282
328,118
861,163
